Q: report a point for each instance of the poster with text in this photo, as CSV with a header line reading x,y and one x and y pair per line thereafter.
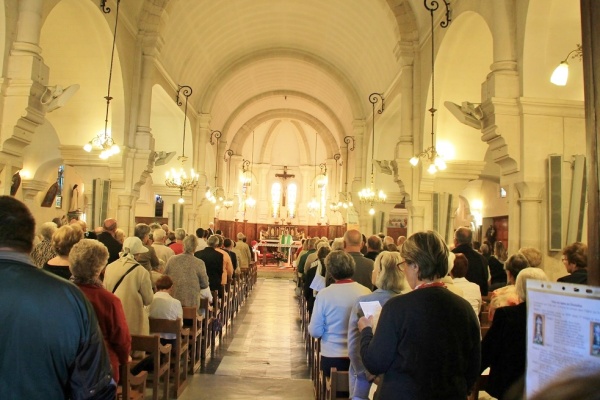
x,y
563,332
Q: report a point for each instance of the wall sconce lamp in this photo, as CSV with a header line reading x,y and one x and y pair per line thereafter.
x,y
561,73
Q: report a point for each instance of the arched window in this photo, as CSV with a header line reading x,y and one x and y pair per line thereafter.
x,y
292,199
275,199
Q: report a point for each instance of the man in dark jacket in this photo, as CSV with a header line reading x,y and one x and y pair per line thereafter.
x,y
213,260
478,265
107,238
66,356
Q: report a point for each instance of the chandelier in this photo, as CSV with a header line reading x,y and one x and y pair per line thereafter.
x,y
436,161
104,141
369,195
179,179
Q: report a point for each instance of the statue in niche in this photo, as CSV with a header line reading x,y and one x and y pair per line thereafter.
x,y
74,205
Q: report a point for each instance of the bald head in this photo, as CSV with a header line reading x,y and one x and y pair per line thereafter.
x,y
352,240
463,235
110,225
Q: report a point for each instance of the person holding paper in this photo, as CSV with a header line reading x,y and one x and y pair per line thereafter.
x,y
427,342
314,279
504,347
331,312
390,282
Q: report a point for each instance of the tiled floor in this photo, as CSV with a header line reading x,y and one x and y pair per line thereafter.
x,y
264,357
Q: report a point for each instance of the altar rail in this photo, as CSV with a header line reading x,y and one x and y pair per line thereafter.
x,y
252,230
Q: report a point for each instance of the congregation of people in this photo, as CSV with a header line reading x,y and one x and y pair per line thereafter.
x,y
446,315
424,339
119,283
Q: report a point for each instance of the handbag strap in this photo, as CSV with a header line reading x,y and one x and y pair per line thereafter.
x,y
123,277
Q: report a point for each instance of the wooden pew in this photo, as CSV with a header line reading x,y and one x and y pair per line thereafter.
x,y
206,326
179,352
338,385
194,322
131,387
161,356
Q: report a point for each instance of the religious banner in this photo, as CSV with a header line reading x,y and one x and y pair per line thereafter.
x,y
563,332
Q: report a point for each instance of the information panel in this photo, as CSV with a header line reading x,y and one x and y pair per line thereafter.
x,y
563,332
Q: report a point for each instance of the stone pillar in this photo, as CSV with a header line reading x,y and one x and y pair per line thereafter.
x,y
417,216
125,217
143,135
201,139
530,202
359,129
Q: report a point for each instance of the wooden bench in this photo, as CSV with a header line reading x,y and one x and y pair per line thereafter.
x,y
194,322
161,357
206,326
338,385
131,387
180,350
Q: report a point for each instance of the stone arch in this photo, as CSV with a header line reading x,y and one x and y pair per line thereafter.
x,y
242,134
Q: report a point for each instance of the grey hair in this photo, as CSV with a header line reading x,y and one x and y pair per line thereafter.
x,y
141,231
87,258
524,275
340,265
390,277
213,241
190,243
47,229
159,234
322,244
429,252
179,233
338,244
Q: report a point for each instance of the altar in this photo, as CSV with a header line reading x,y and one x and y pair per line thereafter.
x,y
278,249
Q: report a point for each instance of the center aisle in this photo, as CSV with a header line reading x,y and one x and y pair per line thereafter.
x,y
264,358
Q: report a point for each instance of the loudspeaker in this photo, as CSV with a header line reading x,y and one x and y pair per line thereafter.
x,y
555,235
578,200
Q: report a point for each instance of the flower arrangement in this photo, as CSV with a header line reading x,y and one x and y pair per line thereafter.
x,y
279,256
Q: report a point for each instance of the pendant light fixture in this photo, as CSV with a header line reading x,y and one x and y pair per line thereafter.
x,y
104,141
179,179
436,161
369,195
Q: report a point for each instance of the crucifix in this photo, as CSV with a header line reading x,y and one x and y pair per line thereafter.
x,y
284,176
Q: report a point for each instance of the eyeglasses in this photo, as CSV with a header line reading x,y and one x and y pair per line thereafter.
x,y
564,259
403,264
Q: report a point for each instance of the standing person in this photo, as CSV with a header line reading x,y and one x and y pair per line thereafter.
x,y
44,251
243,251
390,282
427,342
68,358
507,295
478,267
496,264
574,258
227,263
163,252
107,238
504,347
63,241
374,247
211,229
87,259
177,246
149,260
201,241
228,247
188,274
131,283
213,260
331,312
364,267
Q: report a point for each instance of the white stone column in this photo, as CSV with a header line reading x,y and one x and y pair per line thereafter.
x,y
530,202
417,216
125,217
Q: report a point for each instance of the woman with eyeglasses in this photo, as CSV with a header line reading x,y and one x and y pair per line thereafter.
x,y
390,282
427,342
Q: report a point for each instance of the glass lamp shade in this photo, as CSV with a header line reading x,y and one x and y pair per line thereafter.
x,y
432,169
371,211
440,163
414,161
561,74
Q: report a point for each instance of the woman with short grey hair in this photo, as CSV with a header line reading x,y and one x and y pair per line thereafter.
x,y
44,251
331,312
188,273
390,282
427,335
